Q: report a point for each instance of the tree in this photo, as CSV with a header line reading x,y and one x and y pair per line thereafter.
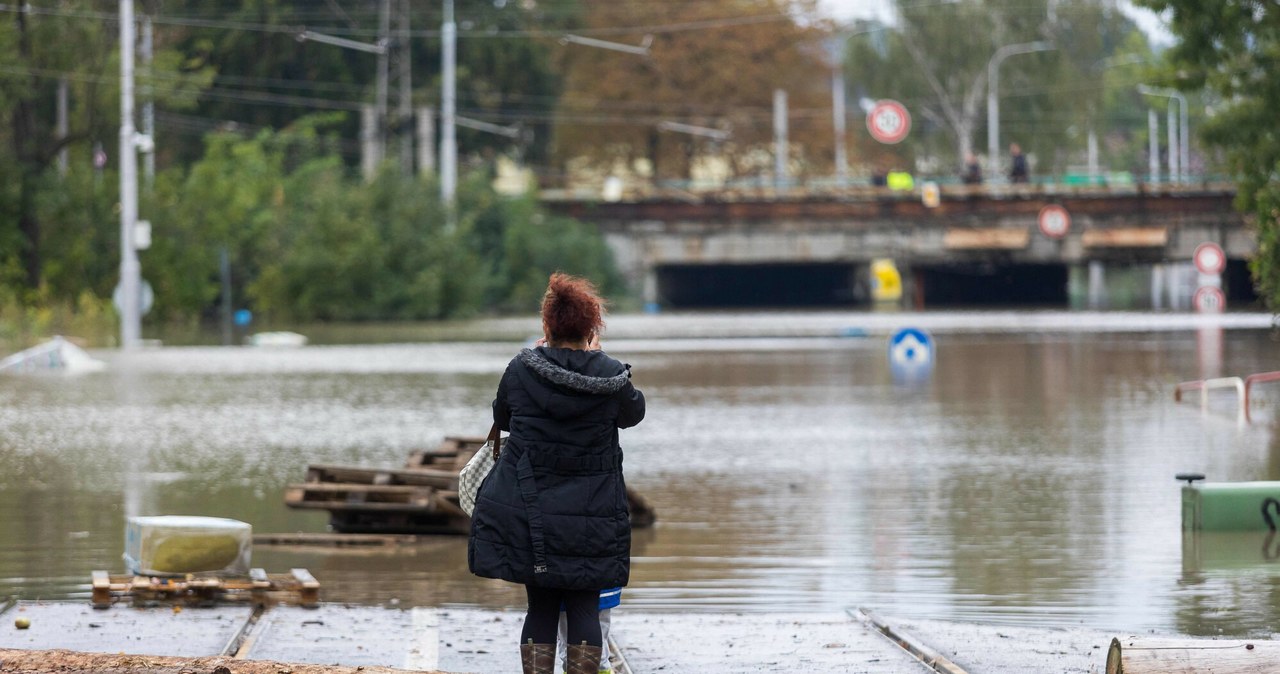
x,y
711,64
42,46
1232,47
935,60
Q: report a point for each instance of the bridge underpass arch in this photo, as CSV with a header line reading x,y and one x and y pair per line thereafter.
x,y
780,285
961,284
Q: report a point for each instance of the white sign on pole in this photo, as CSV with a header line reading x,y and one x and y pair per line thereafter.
x,y
888,121
142,234
1209,258
1054,221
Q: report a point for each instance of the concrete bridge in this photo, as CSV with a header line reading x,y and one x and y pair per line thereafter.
x,y
1118,247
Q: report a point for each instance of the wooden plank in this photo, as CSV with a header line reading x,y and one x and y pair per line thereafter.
x,y
101,589
1126,237
258,588
360,475
133,630
335,540
343,506
988,238
331,488
75,661
909,643
1138,655
309,587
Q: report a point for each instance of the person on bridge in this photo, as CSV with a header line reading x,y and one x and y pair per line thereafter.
x,y
972,170
552,514
1018,171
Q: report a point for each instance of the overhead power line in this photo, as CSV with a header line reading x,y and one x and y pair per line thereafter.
x,y
295,29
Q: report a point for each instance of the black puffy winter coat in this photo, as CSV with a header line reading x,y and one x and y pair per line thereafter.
x,y
553,511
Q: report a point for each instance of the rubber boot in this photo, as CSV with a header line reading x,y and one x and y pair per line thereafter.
x,y
583,659
538,658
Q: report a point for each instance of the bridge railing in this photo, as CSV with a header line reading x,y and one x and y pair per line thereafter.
x,y
749,188
1243,388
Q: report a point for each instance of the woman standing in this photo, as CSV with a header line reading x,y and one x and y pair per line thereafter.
x,y
552,515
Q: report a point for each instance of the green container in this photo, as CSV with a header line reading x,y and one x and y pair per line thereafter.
x,y
1231,506
1215,551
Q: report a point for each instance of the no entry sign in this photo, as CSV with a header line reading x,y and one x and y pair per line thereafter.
x,y
1209,258
888,122
1054,221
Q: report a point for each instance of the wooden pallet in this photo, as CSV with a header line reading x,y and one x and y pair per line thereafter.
x,y
452,454
421,498
298,587
425,477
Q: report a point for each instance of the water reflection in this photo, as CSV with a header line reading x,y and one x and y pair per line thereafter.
x,y
1028,480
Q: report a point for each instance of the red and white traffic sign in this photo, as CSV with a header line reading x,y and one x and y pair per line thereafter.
x,y
888,121
1209,300
1054,221
1209,258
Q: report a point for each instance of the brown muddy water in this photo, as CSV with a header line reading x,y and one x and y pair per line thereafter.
x,y
1028,481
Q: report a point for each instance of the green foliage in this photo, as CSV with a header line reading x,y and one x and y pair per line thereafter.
x,y
25,322
936,62
308,241
1232,47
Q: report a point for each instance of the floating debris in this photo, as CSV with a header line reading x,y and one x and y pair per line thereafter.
x,y
56,355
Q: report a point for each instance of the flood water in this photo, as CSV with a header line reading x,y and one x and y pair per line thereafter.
x,y
1029,480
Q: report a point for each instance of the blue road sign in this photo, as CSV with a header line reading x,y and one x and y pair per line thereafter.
x,y
911,354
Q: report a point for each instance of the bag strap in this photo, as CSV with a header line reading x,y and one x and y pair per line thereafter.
x,y
495,437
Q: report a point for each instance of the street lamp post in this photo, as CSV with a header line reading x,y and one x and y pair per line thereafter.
x,y
1179,145
448,107
993,99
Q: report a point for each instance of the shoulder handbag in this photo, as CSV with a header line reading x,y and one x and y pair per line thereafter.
x,y
477,469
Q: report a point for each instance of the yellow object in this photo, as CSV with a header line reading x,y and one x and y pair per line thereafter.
x,y
192,553
900,180
886,282
22,623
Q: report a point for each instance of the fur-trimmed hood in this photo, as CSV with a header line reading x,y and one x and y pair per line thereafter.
x,y
568,382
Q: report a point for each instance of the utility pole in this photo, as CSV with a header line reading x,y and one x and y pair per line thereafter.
x,y
130,269
1175,170
404,111
1153,146
63,128
1185,149
380,95
780,138
448,107
838,121
148,107
426,140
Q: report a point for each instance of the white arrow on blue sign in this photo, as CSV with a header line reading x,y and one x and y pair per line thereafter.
x,y
911,348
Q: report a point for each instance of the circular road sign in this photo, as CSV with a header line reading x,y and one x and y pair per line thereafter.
x,y
1209,258
1209,300
888,121
1054,221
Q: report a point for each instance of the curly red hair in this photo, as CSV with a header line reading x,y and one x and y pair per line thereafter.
x,y
572,311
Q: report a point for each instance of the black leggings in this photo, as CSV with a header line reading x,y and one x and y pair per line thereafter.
x,y
543,619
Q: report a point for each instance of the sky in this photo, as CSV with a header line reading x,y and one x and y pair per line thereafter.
x,y
1147,20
